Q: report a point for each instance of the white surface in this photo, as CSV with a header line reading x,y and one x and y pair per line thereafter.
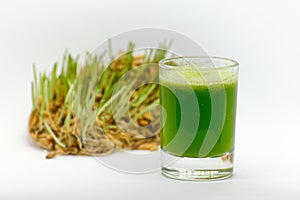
x,y
262,35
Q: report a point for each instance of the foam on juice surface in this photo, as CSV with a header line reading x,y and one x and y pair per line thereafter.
x,y
198,76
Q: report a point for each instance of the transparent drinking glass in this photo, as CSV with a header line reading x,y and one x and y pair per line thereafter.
x,y
198,96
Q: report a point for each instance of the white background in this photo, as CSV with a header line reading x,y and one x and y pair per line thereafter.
x,y
264,36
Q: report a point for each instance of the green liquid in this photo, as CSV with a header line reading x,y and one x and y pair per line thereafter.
x,y
225,140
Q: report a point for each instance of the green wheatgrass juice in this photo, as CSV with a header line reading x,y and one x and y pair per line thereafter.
x,y
225,143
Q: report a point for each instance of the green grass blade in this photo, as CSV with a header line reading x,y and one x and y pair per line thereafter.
x,y
33,97
52,134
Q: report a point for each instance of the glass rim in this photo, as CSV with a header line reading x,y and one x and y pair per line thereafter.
x,y
233,63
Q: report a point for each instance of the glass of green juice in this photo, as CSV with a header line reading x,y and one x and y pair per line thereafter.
x,y
198,97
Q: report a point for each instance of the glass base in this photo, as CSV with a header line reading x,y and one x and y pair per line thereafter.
x,y
197,169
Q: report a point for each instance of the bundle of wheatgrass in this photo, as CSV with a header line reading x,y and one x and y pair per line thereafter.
x,y
72,109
